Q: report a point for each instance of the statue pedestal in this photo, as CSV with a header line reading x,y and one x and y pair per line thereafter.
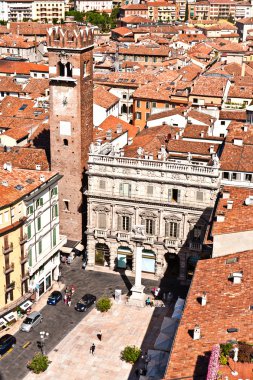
x,y
137,297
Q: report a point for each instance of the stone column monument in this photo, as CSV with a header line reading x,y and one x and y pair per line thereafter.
x,y
137,297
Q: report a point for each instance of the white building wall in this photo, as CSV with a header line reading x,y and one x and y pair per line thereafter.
x,y
99,114
226,244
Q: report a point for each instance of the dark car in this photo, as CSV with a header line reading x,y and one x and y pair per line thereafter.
x,y
54,298
6,342
85,302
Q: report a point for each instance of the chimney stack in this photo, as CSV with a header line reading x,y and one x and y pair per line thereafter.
x,y
230,205
203,299
196,333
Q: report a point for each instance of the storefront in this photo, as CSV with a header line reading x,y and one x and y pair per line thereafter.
x,y
102,255
42,280
124,258
148,261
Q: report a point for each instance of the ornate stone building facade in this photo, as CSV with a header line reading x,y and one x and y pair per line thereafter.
x,y
71,118
172,198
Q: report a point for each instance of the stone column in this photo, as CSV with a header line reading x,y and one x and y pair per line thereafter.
x,y
113,255
137,297
91,243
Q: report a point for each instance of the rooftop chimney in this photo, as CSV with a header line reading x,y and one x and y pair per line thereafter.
x,y
38,167
177,136
245,128
119,128
5,183
230,205
220,217
238,142
109,135
8,166
130,141
211,149
249,200
226,195
196,333
202,134
203,299
42,178
236,277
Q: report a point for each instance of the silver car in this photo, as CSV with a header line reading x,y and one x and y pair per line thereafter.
x,y
31,321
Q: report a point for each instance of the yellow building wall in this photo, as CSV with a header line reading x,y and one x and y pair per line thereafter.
x,y
10,226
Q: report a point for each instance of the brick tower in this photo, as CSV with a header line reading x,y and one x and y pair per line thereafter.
x,y
70,51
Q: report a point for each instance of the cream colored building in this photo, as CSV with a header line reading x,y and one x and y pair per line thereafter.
x,y
49,10
172,198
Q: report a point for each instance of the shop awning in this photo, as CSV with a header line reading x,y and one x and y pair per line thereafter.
x,y
26,305
79,247
10,317
67,250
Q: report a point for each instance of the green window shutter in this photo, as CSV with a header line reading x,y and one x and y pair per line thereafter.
x,y
153,227
130,224
29,231
54,236
179,196
41,201
40,246
30,257
56,211
129,190
39,223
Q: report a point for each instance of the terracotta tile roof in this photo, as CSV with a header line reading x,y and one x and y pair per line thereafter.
x,y
137,7
9,84
228,46
236,130
11,67
36,87
211,87
135,20
159,51
150,140
24,158
233,115
104,98
237,219
29,28
154,91
171,112
237,158
194,147
112,122
17,41
122,31
16,133
10,193
240,92
246,21
201,116
21,108
228,305
124,79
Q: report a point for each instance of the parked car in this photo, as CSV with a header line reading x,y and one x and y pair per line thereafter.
x,y
6,342
54,298
31,321
85,302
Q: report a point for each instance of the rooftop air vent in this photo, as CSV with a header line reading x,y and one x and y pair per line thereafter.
x,y
232,329
19,187
236,277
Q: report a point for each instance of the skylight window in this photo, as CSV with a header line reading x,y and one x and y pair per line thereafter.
x,y
23,107
19,187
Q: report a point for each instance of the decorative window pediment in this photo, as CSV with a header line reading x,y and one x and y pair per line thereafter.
x,y
148,215
101,209
124,212
172,218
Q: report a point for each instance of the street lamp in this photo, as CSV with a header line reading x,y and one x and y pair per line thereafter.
x,y
43,336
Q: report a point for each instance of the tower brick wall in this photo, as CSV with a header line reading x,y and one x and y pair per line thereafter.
x,y
71,118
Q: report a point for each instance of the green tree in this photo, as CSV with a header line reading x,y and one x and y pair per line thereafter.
x,y
131,354
78,16
39,363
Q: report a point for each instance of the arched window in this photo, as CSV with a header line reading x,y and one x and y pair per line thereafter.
x,y
61,69
65,142
69,69
124,108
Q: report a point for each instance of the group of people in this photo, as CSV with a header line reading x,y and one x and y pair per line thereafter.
x,y
155,292
69,291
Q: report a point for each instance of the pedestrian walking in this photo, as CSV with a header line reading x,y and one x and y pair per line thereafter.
x,y
69,301
92,348
99,335
65,299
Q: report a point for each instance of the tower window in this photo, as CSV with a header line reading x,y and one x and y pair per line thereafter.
x,y
65,142
61,69
66,205
69,69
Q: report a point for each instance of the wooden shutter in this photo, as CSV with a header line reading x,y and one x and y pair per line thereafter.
x,y
150,190
199,196
169,195
119,222
39,223
179,196
101,220
129,190
130,223
153,227
41,201
167,229
121,191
